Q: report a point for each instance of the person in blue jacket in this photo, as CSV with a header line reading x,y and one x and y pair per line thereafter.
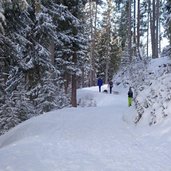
x,y
99,83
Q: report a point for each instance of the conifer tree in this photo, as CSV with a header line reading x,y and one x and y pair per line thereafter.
x,y
43,50
168,19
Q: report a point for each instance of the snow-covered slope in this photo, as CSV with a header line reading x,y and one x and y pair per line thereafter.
x,y
151,81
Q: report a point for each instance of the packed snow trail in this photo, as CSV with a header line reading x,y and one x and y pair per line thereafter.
x,y
101,138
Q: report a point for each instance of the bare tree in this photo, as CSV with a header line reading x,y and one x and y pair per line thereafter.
x,y
134,38
129,31
157,30
138,27
94,34
93,17
154,28
109,11
148,25
91,49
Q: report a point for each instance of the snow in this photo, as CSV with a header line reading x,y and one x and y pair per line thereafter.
x,y
151,83
99,135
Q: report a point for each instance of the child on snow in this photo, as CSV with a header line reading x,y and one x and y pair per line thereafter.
x,y
130,96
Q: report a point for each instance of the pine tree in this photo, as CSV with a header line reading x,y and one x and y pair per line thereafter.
x,y
122,31
74,44
168,19
108,51
26,64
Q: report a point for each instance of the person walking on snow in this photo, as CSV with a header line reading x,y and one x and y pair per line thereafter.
x,y
110,86
99,83
130,96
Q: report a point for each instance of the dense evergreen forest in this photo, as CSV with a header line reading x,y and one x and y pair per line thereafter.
x,y
49,48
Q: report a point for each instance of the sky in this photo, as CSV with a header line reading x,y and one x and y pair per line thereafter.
x,y
99,135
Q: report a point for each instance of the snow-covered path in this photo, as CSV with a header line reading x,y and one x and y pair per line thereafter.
x,y
101,138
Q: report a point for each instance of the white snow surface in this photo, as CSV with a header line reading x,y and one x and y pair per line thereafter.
x,y
100,135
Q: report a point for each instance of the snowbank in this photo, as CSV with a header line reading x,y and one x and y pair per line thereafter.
x,y
151,81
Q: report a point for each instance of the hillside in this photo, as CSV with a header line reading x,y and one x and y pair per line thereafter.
x,y
151,81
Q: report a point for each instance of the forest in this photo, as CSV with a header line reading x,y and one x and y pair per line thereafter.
x,y
50,48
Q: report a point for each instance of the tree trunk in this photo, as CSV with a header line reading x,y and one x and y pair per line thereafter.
x,y
129,32
67,81
134,39
93,47
83,77
109,2
52,52
157,29
148,26
74,84
138,29
91,43
153,30
74,91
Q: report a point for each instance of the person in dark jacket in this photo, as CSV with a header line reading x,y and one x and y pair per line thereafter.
x,y
99,83
130,96
110,86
